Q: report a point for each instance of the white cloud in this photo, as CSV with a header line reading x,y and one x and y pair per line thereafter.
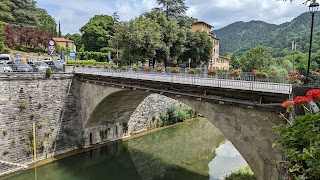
x,y
73,14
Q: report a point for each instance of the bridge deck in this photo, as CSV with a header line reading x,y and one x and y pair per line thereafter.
x,y
281,88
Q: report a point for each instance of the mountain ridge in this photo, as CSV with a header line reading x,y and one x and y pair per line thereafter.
x,y
241,36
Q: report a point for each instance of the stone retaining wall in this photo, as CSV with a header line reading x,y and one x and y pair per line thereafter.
x,y
49,102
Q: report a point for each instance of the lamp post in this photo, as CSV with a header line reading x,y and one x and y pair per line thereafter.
x,y
313,7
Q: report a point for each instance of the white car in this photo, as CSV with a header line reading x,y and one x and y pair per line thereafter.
x,y
4,58
6,68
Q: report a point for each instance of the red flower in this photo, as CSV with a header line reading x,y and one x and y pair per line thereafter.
x,y
287,104
301,100
313,94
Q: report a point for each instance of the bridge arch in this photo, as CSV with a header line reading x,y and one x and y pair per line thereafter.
x,y
107,108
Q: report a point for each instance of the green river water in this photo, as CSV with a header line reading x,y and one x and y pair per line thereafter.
x,y
180,152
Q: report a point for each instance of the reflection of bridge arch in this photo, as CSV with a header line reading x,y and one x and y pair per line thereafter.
x,y
107,108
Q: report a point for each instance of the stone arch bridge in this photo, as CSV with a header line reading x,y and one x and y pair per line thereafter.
x,y
108,102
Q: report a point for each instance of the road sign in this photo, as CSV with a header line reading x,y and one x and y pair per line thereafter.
x,y
52,48
72,54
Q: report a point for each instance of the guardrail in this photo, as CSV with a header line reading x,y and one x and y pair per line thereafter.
x,y
247,83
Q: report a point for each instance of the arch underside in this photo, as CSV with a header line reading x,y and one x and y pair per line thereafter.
x,y
116,108
245,128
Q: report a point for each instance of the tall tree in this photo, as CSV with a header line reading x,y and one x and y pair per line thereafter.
x,y
198,47
59,30
1,38
115,17
5,10
256,58
24,13
173,37
173,8
97,32
45,21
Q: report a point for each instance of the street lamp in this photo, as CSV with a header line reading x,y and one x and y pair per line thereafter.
x,y
313,8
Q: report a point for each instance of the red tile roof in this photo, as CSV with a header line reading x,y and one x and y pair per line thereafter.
x,y
56,39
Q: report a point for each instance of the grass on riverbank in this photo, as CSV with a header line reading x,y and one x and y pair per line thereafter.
x,y
242,174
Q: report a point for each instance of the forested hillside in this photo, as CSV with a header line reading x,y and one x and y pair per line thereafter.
x,y
239,37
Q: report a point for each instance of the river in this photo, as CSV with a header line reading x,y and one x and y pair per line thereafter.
x,y
191,150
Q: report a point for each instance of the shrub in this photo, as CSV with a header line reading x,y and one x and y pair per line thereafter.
x,y
5,132
48,132
32,115
5,152
192,112
28,149
242,174
159,69
147,68
23,105
48,72
40,105
41,124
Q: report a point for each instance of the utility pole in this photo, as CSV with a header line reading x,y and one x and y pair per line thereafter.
x,y
294,48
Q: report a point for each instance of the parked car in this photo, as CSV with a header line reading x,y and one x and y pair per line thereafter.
x,y
33,66
47,59
42,67
6,68
55,66
20,66
4,58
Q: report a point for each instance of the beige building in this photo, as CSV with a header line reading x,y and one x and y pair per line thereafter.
x,y
62,42
222,63
216,61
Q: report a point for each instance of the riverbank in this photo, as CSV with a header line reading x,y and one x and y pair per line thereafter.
x,y
96,146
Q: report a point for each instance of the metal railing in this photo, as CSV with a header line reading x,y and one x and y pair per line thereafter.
x,y
242,83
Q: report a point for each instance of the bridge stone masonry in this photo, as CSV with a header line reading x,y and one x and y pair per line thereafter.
x,y
82,109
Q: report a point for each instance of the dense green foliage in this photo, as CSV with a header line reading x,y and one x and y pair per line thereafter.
x,y
1,38
198,47
97,32
256,58
5,10
77,38
26,13
154,37
98,56
301,142
239,37
242,174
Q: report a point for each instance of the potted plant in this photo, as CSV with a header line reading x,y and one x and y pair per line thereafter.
x,y
212,72
235,72
191,71
198,70
175,69
147,68
294,78
134,68
115,67
159,69
124,67
261,74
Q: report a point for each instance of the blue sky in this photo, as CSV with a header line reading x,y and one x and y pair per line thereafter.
x,y
73,14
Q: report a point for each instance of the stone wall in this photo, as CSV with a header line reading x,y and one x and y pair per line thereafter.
x,y
51,103
148,111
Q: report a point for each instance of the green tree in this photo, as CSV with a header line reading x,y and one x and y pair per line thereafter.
x,y
256,58
1,38
77,38
173,8
235,62
46,22
24,13
97,32
198,47
5,10
173,37
138,39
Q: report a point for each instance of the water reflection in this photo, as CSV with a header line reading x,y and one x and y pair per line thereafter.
x,y
227,160
180,152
